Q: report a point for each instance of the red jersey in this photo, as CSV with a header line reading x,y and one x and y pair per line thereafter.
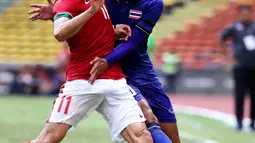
x,y
63,58
95,39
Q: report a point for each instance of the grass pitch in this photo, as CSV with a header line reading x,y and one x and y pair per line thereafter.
x,y
22,119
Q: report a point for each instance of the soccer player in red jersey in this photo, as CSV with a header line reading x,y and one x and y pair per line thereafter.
x,y
87,28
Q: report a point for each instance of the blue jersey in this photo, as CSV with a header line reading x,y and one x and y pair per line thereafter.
x,y
141,16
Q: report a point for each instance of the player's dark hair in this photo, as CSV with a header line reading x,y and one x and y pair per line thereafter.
x,y
242,7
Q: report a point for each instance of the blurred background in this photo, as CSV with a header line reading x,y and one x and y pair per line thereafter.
x,y
185,51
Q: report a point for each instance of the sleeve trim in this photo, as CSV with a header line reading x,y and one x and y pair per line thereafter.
x,y
147,22
63,14
145,31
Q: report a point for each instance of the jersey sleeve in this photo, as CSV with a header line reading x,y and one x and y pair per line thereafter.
x,y
65,8
140,32
150,17
226,33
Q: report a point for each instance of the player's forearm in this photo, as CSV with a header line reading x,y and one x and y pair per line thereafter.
x,y
73,26
119,53
126,48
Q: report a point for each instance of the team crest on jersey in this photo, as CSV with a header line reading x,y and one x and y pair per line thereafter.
x,y
135,14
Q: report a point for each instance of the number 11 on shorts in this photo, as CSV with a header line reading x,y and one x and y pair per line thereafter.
x,y
65,102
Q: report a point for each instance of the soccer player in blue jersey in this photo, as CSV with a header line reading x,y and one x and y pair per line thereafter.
x,y
141,16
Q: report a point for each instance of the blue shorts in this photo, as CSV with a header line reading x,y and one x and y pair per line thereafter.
x,y
158,101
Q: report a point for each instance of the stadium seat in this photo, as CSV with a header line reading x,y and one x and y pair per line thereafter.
x,y
23,41
203,37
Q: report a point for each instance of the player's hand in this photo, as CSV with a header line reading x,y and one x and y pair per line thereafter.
x,y
96,5
42,11
123,32
98,67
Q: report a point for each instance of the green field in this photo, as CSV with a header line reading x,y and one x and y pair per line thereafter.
x,y
22,119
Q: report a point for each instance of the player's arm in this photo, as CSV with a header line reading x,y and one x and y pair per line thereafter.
x,y
140,32
225,34
66,26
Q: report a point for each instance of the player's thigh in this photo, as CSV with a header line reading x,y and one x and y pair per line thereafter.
x,y
125,124
162,109
120,109
144,105
159,102
147,111
74,104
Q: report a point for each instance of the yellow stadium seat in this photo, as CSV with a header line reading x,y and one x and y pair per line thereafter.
x,y
23,41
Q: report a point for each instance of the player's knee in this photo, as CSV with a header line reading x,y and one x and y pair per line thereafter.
x,y
142,136
147,111
137,133
146,137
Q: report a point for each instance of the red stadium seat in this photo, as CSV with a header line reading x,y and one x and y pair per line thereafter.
x,y
199,38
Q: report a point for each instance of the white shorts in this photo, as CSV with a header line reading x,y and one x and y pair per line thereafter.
x,y
111,98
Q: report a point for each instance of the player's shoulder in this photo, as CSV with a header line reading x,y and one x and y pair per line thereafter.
x,y
158,3
236,25
231,26
151,5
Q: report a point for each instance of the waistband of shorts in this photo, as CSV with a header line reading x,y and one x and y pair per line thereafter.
x,y
86,77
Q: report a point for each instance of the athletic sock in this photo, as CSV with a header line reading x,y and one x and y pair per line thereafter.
x,y
157,134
